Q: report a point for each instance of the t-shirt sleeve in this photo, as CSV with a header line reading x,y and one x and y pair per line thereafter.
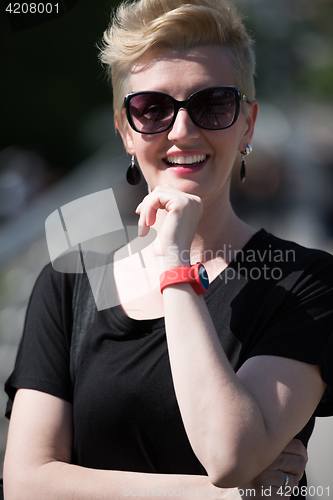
x,y
42,361
301,327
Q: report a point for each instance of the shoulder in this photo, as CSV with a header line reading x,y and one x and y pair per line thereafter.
x,y
296,314
42,361
291,258
277,243
51,302
53,283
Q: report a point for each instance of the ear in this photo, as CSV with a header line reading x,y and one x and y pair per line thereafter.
x,y
251,118
125,133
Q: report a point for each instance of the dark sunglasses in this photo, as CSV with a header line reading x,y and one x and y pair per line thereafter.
x,y
214,108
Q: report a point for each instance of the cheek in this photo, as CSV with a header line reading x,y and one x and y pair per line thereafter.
x,y
149,148
227,143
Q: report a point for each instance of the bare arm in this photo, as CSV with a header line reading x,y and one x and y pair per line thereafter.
x,y
38,456
236,423
290,463
37,462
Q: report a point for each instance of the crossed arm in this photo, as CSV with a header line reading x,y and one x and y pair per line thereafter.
x,y
38,455
237,424
39,447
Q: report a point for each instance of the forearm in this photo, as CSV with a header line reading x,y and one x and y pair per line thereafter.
x,y
59,480
224,423
38,455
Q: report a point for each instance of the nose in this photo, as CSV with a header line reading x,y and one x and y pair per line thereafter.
x,y
183,129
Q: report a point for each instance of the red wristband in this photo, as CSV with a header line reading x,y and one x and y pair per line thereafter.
x,y
196,275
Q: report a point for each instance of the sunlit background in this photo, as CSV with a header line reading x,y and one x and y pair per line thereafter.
x,y
57,143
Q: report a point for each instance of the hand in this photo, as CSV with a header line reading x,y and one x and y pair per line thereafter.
x,y
291,461
182,214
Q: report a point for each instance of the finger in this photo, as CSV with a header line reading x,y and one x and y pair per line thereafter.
x,y
147,210
276,478
159,199
138,208
171,200
291,464
293,458
278,492
282,478
143,230
296,447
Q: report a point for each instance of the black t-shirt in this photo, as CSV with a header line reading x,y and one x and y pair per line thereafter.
x,y
275,298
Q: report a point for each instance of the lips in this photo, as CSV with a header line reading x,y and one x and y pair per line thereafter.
x,y
187,160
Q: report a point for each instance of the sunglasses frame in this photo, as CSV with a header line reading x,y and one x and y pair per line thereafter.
x,y
184,105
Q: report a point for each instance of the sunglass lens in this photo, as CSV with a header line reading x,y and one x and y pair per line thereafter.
x,y
214,109
151,113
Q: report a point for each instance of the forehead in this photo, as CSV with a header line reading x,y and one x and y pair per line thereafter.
x,y
180,72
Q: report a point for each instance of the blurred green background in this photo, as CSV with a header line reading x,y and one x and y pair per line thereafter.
x,y
57,143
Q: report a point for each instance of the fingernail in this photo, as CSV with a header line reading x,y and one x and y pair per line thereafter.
x,y
138,208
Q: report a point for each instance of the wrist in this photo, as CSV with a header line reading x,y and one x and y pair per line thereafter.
x,y
196,275
166,263
176,257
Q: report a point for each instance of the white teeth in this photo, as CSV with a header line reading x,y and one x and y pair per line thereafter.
x,y
185,160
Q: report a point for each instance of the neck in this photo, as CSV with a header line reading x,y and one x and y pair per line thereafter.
x,y
220,234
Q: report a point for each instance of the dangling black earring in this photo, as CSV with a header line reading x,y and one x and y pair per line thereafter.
x,y
247,151
133,175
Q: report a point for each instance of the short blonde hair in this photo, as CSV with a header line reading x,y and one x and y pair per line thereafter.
x,y
139,26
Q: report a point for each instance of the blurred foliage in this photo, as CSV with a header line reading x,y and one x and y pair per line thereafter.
x,y
53,84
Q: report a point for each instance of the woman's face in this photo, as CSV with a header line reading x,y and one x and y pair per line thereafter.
x,y
180,74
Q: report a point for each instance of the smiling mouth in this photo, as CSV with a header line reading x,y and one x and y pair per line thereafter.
x,y
185,160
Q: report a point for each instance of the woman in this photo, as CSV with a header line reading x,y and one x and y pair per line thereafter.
x,y
187,382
